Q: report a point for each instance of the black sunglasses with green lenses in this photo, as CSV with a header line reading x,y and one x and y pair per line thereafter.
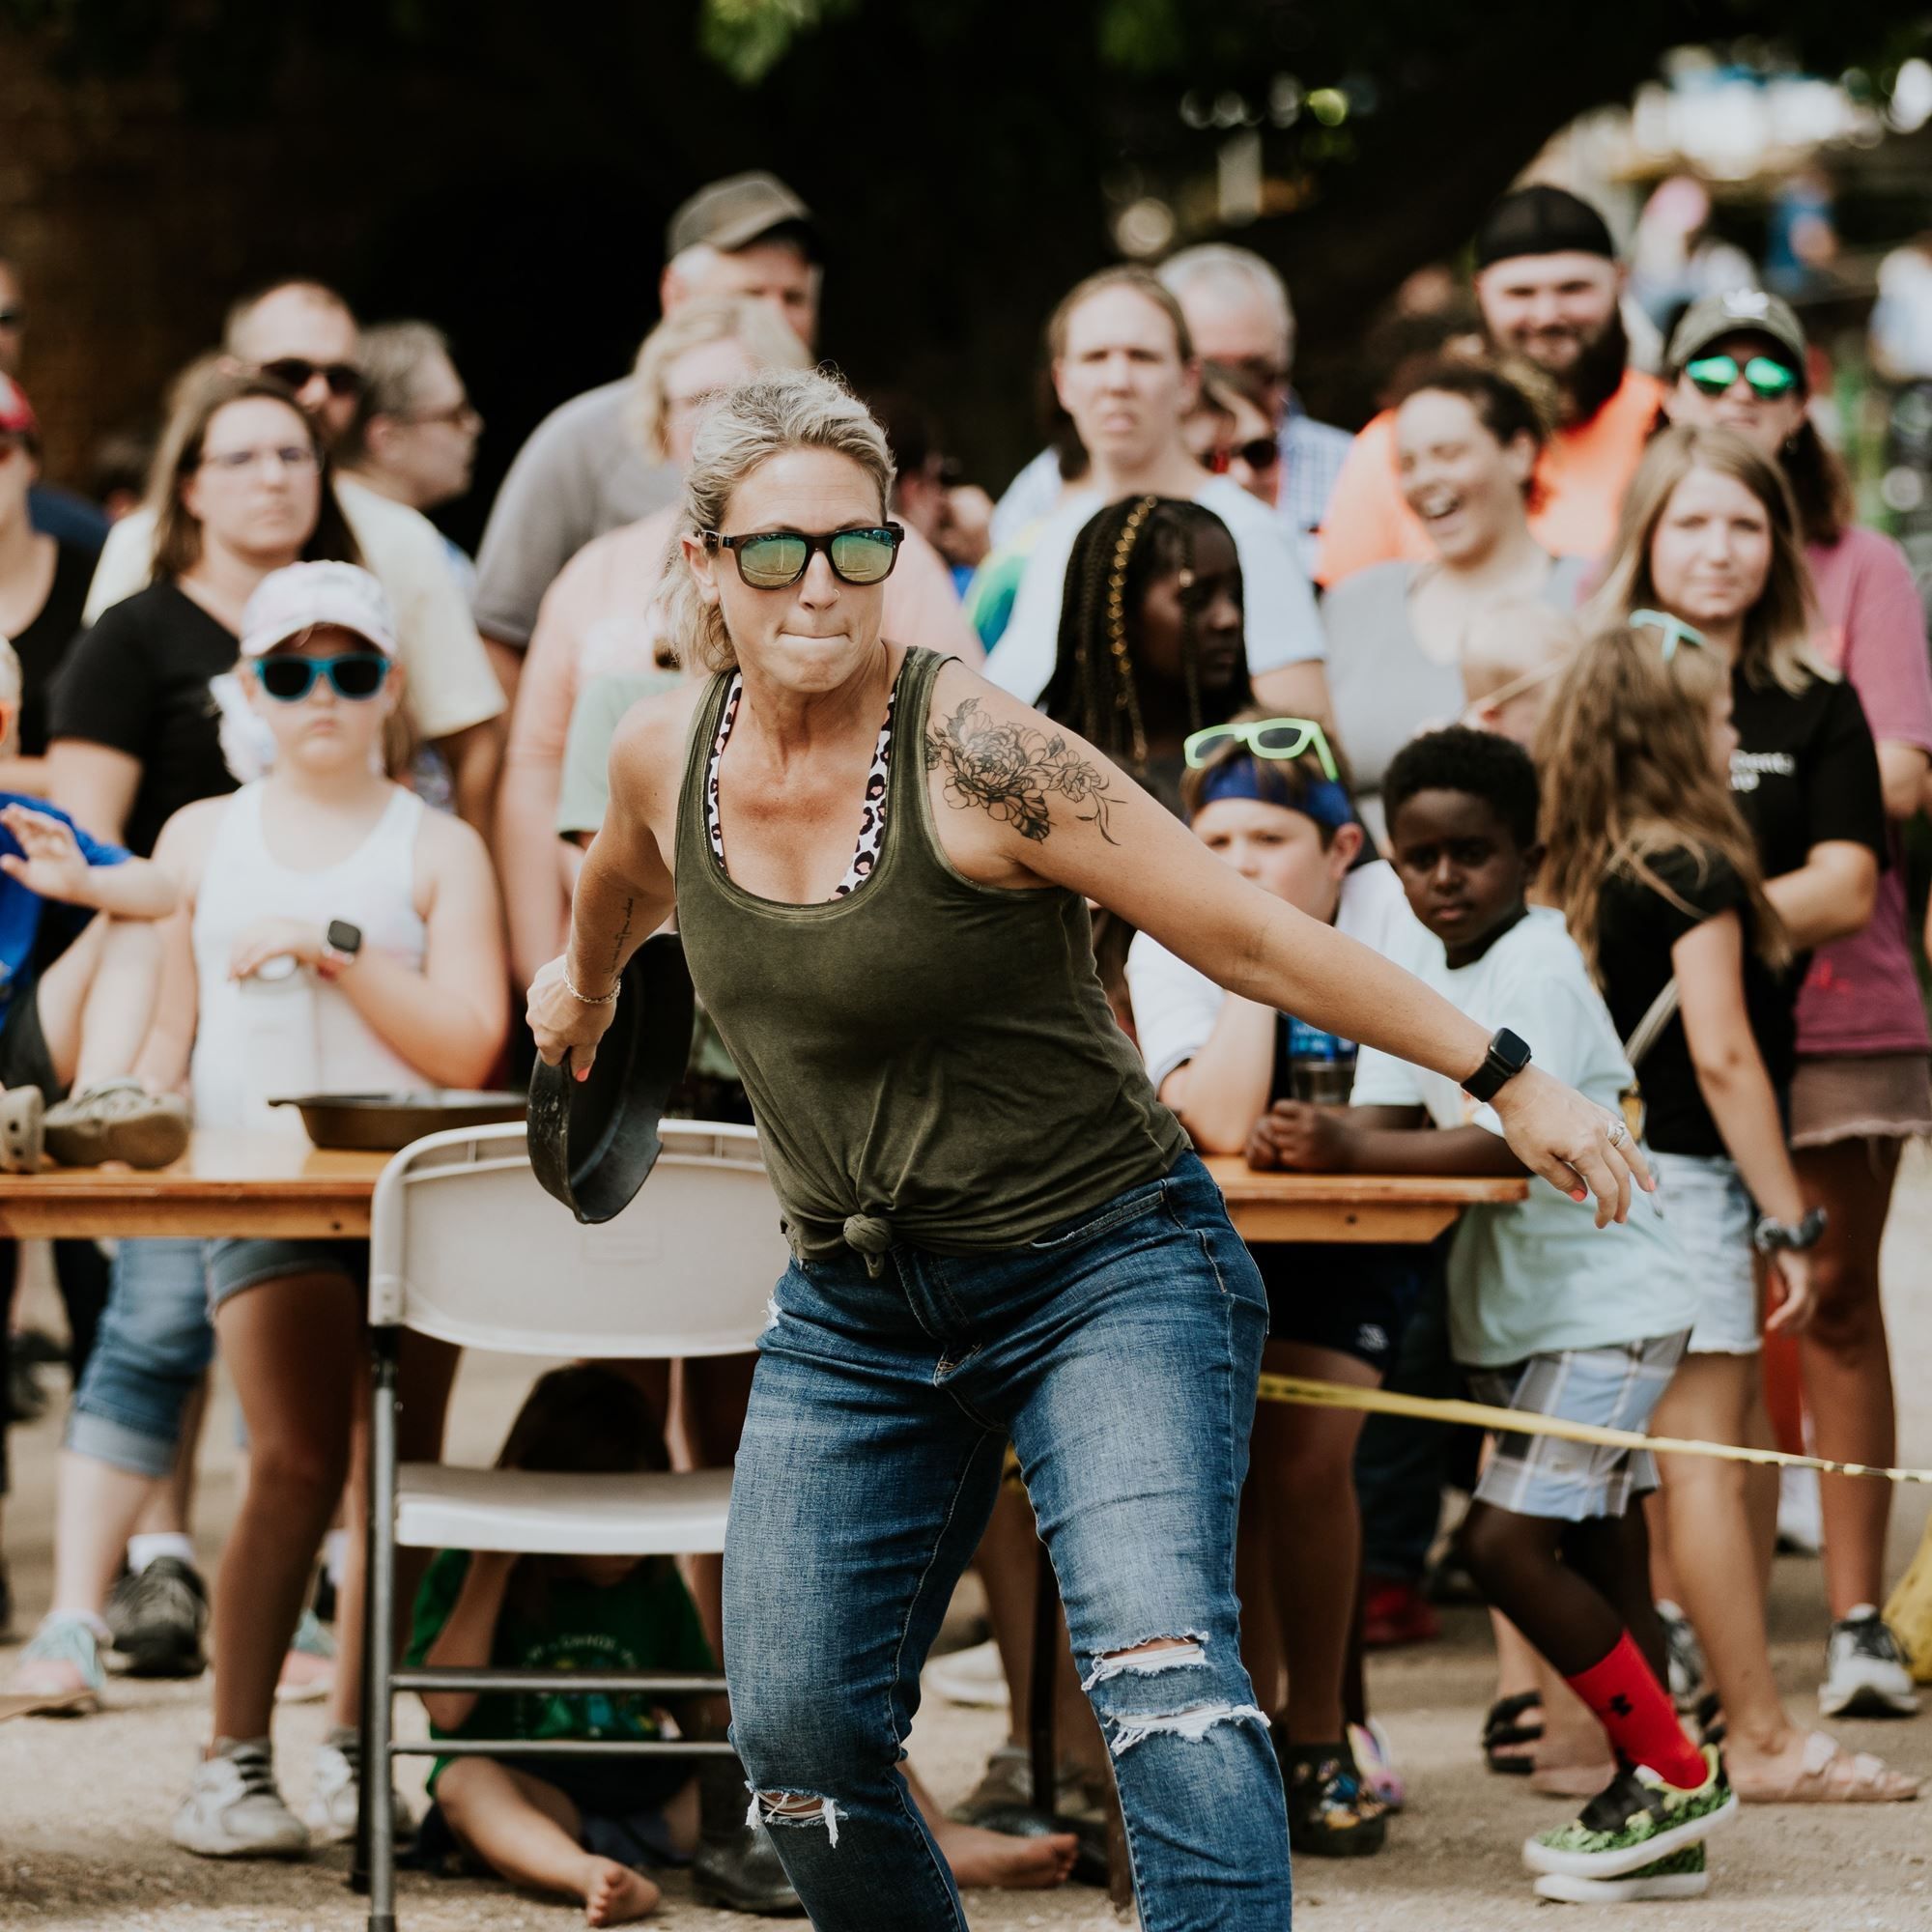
x,y
1769,379
354,675
775,559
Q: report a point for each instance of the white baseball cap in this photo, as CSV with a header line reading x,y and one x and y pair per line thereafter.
x,y
290,601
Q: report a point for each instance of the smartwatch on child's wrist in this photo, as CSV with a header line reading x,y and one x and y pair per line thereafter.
x,y
341,942
1507,1057
1794,1237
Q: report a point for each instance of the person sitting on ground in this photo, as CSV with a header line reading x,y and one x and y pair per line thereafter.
x,y
79,1021
1267,795
1511,665
335,935
579,1826
1468,439
1125,368
1653,868
1549,1320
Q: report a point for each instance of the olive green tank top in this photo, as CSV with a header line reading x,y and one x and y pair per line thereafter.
x,y
929,1060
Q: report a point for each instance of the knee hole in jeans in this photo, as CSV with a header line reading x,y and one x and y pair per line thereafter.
x,y
1157,1658
795,1807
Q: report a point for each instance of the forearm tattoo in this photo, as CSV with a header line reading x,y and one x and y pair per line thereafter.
x,y
623,933
1014,772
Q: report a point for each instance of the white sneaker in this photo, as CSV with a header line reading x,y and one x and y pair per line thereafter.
x,y
232,1809
337,1791
1865,1673
1683,1875
974,1677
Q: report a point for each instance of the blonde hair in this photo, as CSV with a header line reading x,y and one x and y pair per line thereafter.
x,y
1628,776
11,687
768,341
1777,628
763,417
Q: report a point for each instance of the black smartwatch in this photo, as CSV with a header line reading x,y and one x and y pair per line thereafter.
x,y
340,944
1507,1057
1770,1235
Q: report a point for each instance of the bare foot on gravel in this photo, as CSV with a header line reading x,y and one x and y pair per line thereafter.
x,y
996,1859
615,1894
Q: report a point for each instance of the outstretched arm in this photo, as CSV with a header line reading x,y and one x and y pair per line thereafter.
x,y
1029,801
624,892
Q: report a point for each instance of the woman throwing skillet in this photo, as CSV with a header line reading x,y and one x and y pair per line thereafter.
x,y
997,1229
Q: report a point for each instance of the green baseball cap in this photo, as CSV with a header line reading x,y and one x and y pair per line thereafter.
x,y
1742,312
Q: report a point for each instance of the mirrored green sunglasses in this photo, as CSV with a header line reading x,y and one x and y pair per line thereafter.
x,y
775,559
1265,738
1713,375
1675,631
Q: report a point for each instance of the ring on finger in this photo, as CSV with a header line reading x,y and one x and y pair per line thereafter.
x,y
1619,1133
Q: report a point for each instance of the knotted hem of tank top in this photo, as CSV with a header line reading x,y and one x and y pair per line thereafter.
x,y
871,1236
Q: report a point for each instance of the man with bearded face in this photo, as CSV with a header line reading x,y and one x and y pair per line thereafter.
x,y
1548,282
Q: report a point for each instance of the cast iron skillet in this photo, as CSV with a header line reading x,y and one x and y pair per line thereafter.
x,y
593,1142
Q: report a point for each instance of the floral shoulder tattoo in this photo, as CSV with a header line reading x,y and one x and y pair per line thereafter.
x,y
1014,772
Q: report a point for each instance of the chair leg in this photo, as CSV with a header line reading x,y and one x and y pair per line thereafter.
x,y
375,1821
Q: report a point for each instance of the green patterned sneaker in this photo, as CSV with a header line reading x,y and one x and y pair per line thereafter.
x,y
1637,1820
1682,1875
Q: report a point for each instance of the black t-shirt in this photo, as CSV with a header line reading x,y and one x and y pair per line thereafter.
x,y
1806,770
1636,927
138,683
42,645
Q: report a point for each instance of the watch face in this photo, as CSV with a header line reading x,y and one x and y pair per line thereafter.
x,y
342,937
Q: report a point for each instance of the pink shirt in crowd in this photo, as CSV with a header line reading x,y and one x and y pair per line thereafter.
x,y
599,616
1861,994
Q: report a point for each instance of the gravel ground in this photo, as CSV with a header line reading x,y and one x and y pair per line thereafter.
x,y
84,1805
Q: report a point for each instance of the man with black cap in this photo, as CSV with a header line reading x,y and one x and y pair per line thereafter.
x,y
581,472
1548,282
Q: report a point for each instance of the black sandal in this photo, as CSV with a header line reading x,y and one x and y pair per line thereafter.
x,y
1503,1727
1709,1718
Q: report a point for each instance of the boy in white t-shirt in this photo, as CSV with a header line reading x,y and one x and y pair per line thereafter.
x,y
1548,1317
1266,793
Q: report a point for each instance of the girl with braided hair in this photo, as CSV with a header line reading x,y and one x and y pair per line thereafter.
x,y
1151,638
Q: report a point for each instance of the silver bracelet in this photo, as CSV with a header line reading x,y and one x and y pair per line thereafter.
x,y
609,999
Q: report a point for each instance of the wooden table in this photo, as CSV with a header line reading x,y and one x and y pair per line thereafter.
x,y
243,1184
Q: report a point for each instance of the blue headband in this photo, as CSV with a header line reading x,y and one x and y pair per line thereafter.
x,y
1323,799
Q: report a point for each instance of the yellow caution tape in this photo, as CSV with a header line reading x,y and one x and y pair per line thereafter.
x,y
1519,1422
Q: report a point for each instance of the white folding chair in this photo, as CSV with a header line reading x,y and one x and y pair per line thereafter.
x,y
465,1245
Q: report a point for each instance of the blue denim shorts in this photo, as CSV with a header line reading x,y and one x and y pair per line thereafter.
x,y
1706,1201
236,1265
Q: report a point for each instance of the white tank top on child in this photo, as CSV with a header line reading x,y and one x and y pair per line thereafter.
x,y
287,1030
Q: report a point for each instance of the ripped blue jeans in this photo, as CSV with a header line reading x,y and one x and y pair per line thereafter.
x,y
1120,1355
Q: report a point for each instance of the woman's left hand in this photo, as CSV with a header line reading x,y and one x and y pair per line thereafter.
x,y
273,939
1573,1144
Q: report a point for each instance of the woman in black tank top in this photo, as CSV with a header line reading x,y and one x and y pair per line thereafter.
x,y
999,1234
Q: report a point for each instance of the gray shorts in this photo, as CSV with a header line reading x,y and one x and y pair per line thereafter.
x,y
1615,1387
233,1265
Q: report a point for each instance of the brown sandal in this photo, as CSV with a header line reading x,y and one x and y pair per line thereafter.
x,y
1829,1775
22,1137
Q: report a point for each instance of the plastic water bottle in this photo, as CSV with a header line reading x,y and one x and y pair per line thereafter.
x,y
1321,1066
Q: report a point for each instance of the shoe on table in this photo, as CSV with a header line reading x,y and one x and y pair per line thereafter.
x,y
158,1616
1638,1820
1865,1673
308,1671
117,1119
232,1809
1330,1811
1682,1875
337,1791
60,1668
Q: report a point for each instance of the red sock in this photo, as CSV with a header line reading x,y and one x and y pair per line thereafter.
x,y
1631,1705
